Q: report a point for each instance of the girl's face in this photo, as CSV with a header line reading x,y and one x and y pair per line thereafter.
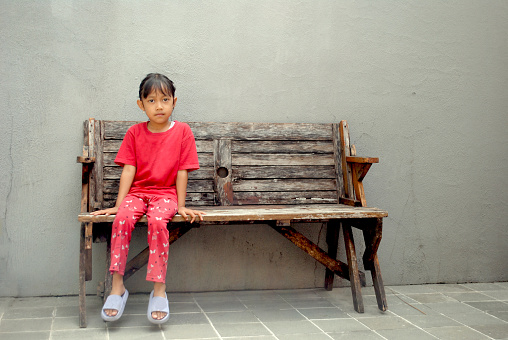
x,y
158,108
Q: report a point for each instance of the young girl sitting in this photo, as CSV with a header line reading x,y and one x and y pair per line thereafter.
x,y
156,157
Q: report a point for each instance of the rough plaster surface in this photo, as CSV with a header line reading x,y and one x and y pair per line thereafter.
x,y
422,84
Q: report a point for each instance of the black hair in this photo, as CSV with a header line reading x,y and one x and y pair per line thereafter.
x,y
156,82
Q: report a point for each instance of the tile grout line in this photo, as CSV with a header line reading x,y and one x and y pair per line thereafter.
x,y
53,316
207,318
450,317
262,323
307,317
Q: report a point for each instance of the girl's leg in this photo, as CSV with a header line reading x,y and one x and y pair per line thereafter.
x,y
129,212
160,211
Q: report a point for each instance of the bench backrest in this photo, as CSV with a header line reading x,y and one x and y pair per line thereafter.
x,y
241,163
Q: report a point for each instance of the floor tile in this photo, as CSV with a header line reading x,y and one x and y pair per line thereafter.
x,y
363,335
292,327
323,313
257,295
411,309
482,287
502,284
499,331
263,337
25,336
31,302
456,333
232,317
187,319
384,323
316,336
489,305
278,315
149,332
428,321
498,294
451,308
204,331
406,333
182,307
503,315
311,303
479,318
449,288
28,313
26,325
411,289
430,297
266,304
130,321
78,334
93,321
242,329
469,296
340,325
298,294
222,306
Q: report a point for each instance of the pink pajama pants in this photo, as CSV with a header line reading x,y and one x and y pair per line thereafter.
x,y
159,211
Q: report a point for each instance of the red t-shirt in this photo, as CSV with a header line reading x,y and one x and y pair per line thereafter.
x,y
158,157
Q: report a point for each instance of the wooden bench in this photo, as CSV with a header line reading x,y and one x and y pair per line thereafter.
x,y
274,174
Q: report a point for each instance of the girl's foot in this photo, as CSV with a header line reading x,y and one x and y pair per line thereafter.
x,y
117,289
159,289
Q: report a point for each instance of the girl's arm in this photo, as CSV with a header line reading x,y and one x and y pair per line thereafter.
x,y
126,179
181,192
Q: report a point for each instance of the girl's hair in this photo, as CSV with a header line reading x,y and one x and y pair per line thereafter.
x,y
156,82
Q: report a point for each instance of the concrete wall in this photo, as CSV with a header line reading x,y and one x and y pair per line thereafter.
x,y
422,84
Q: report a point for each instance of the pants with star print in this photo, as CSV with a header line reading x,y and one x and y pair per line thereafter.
x,y
159,211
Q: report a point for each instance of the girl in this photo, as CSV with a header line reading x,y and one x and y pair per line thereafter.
x,y
156,157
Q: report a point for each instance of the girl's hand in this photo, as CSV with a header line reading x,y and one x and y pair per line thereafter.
x,y
186,212
107,212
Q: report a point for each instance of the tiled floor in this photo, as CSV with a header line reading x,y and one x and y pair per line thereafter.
x,y
460,311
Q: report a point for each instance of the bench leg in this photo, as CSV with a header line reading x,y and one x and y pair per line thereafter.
x,y
108,278
82,277
332,239
372,238
354,276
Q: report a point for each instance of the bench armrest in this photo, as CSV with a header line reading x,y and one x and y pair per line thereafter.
x,y
362,160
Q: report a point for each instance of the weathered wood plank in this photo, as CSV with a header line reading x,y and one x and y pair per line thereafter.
x,y
289,146
192,199
82,276
205,159
332,240
354,273
111,186
277,185
337,267
301,197
268,213
250,172
288,172
114,172
337,158
96,192
345,152
240,131
113,145
222,175
282,159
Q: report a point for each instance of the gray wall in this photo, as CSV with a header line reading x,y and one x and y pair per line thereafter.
x,y
424,86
